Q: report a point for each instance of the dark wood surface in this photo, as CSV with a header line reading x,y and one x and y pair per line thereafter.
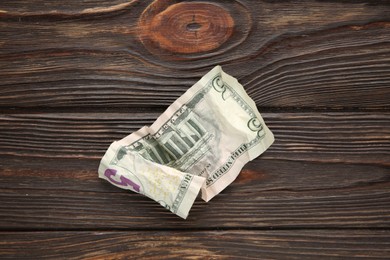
x,y
76,76
238,244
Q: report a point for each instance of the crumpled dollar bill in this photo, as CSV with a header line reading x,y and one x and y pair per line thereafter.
x,y
200,143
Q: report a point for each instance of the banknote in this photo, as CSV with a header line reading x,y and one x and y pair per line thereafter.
x,y
209,133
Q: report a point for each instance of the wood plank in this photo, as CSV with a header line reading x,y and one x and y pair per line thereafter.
x,y
325,169
104,54
325,137
268,193
293,244
73,7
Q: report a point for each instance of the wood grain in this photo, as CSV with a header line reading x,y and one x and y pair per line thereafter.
x,y
74,77
184,27
324,170
311,244
325,137
58,194
287,54
73,7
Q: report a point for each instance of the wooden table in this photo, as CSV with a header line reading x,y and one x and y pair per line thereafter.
x,y
77,75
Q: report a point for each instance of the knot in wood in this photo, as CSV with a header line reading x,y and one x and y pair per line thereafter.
x,y
186,27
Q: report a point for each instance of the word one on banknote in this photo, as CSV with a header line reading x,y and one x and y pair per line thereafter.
x,y
200,143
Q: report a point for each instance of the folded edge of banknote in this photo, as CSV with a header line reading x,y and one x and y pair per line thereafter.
x,y
173,189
